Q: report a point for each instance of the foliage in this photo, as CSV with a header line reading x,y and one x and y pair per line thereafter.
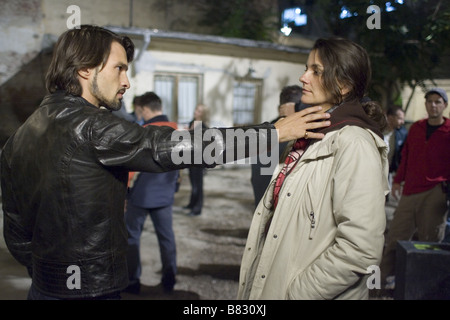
x,y
406,50
247,19
408,47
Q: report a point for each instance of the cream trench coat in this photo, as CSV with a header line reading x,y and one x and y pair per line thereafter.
x,y
327,231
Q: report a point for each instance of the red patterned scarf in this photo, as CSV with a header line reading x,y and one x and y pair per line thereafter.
x,y
291,161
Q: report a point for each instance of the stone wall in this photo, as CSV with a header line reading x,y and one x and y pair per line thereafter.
x,y
21,70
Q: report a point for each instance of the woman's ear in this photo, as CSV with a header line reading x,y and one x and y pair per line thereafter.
x,y
344,90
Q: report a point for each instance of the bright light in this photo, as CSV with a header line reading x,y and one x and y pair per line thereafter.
x,y
390,8
345,13
295,16
286,30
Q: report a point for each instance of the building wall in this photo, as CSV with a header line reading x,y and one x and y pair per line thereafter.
x,y
21,36
30,27
21,40
219,73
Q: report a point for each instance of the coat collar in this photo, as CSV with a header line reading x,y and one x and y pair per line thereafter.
x,y
351,113
328,145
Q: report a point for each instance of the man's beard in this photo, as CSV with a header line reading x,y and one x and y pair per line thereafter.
x,y
113,105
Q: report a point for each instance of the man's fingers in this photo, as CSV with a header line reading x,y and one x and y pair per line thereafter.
x,y
314,135
296,125
309,110
317,124
316,116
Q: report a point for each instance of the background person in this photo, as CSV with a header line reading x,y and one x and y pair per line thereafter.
x,y
195,205
289,102
421,179
394,136
151,194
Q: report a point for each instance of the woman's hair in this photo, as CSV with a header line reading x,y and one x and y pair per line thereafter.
x,y
86,47
347,64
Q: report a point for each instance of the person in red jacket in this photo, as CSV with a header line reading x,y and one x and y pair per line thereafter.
x,y
422,179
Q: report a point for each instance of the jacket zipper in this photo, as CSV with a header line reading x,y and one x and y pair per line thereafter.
x,y
313,224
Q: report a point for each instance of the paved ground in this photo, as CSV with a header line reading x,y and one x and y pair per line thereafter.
x,y
209,246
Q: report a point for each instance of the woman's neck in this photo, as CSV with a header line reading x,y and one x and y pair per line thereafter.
x,y
325,107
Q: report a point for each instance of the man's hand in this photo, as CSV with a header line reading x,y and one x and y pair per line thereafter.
x,y
297,125
396,190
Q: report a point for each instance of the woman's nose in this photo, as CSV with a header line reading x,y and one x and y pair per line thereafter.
x,y
303,78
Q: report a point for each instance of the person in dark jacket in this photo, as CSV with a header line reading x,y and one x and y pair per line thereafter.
x,y
65,170
395,135
151,194
290,102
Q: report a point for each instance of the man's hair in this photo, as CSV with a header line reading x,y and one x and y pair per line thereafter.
x,y
392,110
76,49
137,101
291,94
150,100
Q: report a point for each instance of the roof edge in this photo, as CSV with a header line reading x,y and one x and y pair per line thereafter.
x,y
246,43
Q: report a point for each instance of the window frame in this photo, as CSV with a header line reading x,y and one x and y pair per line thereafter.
x,y
175,108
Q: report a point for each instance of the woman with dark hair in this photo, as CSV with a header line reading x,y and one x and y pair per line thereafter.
x,y
318,231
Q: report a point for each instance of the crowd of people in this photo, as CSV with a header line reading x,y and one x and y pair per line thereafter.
x,y
319,224
420,183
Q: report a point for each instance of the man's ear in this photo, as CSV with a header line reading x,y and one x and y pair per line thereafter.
x,y
85,73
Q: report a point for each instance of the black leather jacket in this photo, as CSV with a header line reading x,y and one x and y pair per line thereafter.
x,y
64,181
